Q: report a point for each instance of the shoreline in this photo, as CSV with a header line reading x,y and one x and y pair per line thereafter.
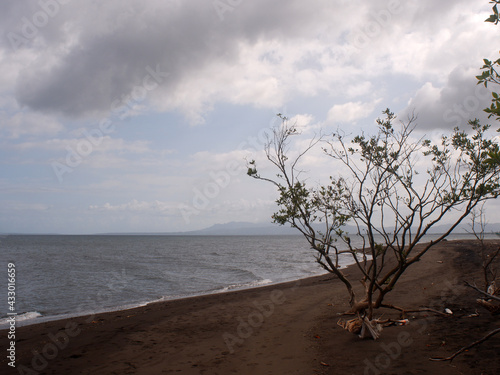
x,y
127,306
278,328
52,318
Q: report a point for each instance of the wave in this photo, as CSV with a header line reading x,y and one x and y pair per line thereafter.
x,y
251,284
20,318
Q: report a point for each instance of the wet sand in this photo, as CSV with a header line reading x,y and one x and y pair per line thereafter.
x,y
288,328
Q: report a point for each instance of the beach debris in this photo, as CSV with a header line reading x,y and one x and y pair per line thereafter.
x,y
473,315
448,311
492,289
370,328
364,327
353,325
402,322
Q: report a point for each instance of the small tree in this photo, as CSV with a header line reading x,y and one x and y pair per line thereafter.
x,y
488,256
382,196
489,75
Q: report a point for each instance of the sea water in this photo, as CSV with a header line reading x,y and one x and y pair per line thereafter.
x,y
62,276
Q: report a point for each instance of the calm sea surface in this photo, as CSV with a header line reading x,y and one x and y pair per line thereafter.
x,y
61,276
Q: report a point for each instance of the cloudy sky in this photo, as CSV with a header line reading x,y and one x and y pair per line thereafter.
x,y
137,116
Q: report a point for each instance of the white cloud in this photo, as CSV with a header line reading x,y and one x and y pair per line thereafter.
x,y
102,144
28,123
23,206
156,206
351,111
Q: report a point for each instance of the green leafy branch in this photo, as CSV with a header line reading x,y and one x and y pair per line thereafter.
x,y
489,70
493,18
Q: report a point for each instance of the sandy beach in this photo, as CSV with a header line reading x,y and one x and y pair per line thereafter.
x,y
288,328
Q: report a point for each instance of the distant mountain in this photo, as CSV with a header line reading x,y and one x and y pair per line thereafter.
x,y
465,227
236,228
243,229
262,229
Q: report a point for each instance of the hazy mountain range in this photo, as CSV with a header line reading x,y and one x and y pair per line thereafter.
x,y
262,229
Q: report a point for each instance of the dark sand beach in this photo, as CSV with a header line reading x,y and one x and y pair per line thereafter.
x,y
288,328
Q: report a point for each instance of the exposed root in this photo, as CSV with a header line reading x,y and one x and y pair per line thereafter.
x,y
450,358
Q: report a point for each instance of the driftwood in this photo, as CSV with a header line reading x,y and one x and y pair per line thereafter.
x,y
450,358
488,295
493,309
353,325
423,309
369,328
363,327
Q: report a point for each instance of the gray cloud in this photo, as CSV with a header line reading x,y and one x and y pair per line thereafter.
x,y
90,56
101,53
460,99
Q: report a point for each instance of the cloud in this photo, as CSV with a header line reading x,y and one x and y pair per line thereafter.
x,y
452,104
28,123
101,145
109,48
88,61
85,64
137,206
352,111
23,206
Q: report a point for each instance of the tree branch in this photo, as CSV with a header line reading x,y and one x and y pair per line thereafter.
x,y
483,292
465,348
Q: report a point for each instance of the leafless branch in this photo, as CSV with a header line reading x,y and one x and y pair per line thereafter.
x,y
465,348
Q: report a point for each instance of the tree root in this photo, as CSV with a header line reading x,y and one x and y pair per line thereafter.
x,y
450,358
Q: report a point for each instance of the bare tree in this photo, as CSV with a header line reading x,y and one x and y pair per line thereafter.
x,y
382,195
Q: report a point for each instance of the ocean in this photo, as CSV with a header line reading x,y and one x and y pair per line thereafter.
x,y
62,276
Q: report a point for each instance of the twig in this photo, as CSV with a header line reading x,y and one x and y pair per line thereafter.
x,y
482,292
450,358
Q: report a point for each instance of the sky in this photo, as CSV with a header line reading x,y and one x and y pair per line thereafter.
x,y
138,116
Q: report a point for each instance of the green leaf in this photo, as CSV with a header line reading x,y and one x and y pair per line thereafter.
x,y
491,18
